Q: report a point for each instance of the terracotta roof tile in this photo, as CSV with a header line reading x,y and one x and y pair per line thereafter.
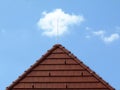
x,y
59,69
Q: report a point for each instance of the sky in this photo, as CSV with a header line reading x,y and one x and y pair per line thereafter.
x,y
90,29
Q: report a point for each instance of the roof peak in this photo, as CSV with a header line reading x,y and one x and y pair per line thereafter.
x,y
57,45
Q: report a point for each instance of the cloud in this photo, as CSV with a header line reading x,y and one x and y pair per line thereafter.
x,y
57,22
99,33
107,39
111,38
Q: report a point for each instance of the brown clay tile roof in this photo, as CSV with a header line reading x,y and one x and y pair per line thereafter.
x,y
59,69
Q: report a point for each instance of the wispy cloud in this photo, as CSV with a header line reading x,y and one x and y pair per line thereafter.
x,y
58,20
99,33
111,38
107,39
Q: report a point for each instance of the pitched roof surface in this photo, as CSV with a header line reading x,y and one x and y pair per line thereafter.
x,y
59,69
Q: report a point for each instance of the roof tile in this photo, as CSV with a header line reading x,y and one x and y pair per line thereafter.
x,y
59,69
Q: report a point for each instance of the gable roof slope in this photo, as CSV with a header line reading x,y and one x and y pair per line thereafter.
x,y
59,69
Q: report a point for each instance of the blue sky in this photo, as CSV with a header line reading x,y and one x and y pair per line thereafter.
x,y
93,35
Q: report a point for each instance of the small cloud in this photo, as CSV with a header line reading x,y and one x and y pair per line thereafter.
x,y
58,20
106,39
99,33
111,38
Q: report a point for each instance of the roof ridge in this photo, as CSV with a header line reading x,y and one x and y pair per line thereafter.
x,y
57,45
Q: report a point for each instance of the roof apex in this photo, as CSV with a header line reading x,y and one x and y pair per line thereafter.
x,y
57,45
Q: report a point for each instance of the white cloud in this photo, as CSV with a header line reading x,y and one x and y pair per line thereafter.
x,y
111,38
107,39
58,20
99,33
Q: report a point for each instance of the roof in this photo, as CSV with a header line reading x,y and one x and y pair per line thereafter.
x,y
59,69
